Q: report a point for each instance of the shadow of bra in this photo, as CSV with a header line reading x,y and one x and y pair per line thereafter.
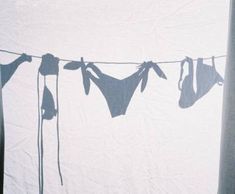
x,y
206,78
48,105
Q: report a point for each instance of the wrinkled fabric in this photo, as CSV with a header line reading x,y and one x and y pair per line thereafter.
x,y
156,147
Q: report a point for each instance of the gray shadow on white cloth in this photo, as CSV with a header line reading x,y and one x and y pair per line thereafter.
x,y
206,78
117,92
8,70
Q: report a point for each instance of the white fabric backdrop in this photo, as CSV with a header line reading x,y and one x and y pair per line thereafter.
x,y
157,147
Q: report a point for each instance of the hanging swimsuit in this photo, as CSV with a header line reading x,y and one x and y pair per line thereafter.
x,y
48,105
49,67
118,93
206,78
187,96
7,71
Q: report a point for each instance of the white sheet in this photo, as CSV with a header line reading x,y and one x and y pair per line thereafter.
x,y
157,147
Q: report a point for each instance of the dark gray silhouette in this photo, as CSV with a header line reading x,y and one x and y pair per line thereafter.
x,y
118,93
206,78
188,95
49,67
74,65
48,105
8,70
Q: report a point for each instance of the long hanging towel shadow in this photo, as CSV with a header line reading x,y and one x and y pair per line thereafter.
x,y
118,93
47,111
8,70
206,78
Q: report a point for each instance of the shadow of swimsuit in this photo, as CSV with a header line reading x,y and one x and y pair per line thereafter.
x,y
117,92
8,70
48,105
206,78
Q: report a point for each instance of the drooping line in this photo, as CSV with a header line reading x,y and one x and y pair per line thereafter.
x,y
112,62
58,131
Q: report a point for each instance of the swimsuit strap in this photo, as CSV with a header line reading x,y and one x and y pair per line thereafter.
x,y
190,62
94,68
85,77
74,65
158,71
143,72
213,65
213,61
144,66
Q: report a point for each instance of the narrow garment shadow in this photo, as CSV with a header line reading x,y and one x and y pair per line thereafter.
x,y
47,111
206,78
49,66
8,70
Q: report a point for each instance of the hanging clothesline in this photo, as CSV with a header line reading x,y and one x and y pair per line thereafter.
x,y
109,62
117,92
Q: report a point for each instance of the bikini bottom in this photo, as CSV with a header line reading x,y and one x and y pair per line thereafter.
x,y
117,93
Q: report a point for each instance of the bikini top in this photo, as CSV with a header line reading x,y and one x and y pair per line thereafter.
x,y
206,78
49,65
